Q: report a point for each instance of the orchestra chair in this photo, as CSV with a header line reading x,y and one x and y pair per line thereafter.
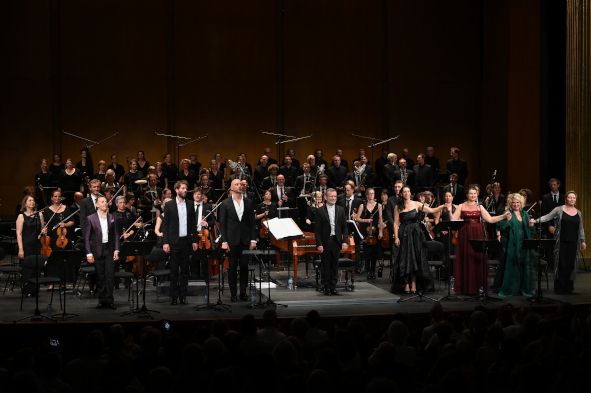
x,y
159,260
435,255
51,277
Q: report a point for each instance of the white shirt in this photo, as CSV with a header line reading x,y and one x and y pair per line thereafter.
x,y
239,208
182,209
104,228
280,191
331,216
199,211
94,201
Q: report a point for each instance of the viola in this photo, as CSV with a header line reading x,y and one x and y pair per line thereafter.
x,y
45,246
385,242
62,240
204,240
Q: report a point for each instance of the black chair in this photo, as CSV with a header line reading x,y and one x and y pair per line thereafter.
x,y
159,260
86,270
51,276
435,257
126,277
13,273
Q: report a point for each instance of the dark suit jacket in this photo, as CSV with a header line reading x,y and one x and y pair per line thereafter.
x,y
460,195
458,166
336,176
322,226
548,202
299,184
205,211
170,222
389,174
342,202
290,174
93,235
424,176
234,231
86,209
287,191
410,178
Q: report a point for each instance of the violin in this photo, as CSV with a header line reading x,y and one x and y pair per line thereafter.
x,y
62,240
45,246
204,241
371,238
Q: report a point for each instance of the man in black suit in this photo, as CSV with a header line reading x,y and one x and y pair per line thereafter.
x,y
456,189
261,171
238,231
424,175
201,211
389,170
331,237
281,194
456,165
102,250
336,173
406,175
348,201
549,201
430,159
178,229
88,205
289,171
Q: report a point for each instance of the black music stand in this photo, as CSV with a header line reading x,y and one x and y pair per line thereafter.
x,y
539,245
139,250
219,305
483,246
266,252
452,225
70,265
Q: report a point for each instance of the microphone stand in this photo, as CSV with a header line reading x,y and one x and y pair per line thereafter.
x,y
177,138
91,143
375,142
279,138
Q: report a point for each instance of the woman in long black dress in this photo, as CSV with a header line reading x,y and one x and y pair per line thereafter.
x,y
411,263
28,228
569,236
370,215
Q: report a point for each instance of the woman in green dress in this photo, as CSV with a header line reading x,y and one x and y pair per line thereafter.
x,y
518,277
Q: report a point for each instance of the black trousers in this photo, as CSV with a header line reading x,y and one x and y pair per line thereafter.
x,y
330,259
105,272
566,263
200,264
179,267
238,259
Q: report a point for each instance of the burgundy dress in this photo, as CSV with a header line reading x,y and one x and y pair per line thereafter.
x,y
469,264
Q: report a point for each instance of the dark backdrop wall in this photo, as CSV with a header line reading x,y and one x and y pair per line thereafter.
x,y
463,73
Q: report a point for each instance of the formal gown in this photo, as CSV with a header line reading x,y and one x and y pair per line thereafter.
x,y
469,265
519,274
412,254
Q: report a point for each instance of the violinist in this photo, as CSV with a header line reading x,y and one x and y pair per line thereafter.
x,y
124,220
205,222
28,229
266,210
370,216
55,215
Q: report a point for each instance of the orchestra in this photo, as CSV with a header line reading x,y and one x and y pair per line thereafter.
x,y
379,205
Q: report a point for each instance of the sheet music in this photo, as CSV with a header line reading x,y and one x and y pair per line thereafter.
x,y
283,227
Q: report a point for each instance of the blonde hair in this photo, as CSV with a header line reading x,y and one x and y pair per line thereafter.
x,y
514,196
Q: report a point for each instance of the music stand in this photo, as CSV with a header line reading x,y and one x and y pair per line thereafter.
x,y
70,265
139,250
267,252
539,245
483,246
452,225
220,305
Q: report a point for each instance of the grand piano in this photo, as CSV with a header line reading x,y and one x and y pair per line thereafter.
x,y
304,246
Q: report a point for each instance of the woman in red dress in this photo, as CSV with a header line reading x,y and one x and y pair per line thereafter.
x,y
469,266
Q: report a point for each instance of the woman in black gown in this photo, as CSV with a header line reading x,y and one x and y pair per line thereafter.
x,y
569,236
411,263
28,228
370,215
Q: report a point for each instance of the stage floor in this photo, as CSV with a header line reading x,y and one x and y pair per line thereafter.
x,y
368,298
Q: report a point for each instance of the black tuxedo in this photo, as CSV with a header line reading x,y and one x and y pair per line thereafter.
x,y
238,234
331,244
299,184
459,193
102,253
180,247
286,191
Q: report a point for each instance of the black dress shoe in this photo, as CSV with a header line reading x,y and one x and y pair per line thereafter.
x,y
334,292
100,305
233,299
183,301
326,292
243,297
173,302
112,306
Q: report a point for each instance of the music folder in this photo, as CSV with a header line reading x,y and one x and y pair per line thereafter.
x,y
282,228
